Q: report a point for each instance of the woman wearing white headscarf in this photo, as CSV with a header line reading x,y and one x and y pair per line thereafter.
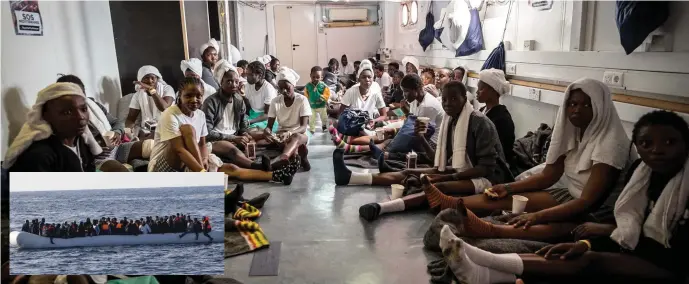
x,y
366,94
152,97
491,86
55,137
209,55
411,65
589,147
194,68
292,112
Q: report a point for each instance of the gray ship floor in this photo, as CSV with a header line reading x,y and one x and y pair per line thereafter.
x,y
323,238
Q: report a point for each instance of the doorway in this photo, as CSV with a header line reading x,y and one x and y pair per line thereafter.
x,y
295,38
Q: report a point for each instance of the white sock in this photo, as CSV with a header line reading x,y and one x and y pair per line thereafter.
x,y
361,179
395,205
510,263
468,271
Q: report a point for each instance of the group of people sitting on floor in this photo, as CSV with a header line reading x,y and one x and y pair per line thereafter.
x,y
110,226
620,215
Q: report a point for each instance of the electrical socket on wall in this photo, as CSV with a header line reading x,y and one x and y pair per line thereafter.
x,y
613,78
534,94
511,69
529,45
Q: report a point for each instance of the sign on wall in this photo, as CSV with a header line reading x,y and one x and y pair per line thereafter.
x,y
26,17
541,5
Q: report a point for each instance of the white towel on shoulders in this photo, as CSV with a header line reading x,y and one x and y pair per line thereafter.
x,y
460,161
630,208
36,128
604,141
97,117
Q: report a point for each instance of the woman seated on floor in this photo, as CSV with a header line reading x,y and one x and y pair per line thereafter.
x,y
589,146
194,68
366,95
152,97
209,55
648,244
260,94
56,137
491,86
418,103
292,113
109,132
181,141
227,124
467,142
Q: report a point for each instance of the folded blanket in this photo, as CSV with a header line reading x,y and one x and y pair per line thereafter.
x,y
242,233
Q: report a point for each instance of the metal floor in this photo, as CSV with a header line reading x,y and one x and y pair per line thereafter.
x,y
323,238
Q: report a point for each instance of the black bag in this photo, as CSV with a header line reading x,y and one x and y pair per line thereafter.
x,y
427,35
351,122
637,19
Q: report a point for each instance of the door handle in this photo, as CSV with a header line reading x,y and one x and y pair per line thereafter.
x,y
295,45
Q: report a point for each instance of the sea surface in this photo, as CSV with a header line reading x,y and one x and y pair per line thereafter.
x,y
77,205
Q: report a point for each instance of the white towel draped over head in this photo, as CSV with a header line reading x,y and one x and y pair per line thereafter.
x,y
413,61
465,78
631,206
144,99
221,68
193,64
604,140
97,117
460,160
288,75
494,78
365,65
265,59
211,43
36,128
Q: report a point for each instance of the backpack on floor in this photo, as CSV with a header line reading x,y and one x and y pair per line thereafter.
x,y
351,122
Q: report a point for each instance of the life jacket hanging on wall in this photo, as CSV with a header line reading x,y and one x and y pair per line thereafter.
x,y
473,42
637,19
447,29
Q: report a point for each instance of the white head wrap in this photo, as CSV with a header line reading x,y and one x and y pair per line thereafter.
x,y
413,61
465,78
211,43
604,140
194,64
36,128
494,78
365,65
148,69
288,75
234,56
221,68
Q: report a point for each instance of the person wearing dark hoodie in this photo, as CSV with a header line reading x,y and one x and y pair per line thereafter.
x,y
491,86
25,227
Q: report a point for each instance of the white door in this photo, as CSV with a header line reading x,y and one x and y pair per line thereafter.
x,y
295,38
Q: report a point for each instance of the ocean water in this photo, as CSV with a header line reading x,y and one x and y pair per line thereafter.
x,y
77,205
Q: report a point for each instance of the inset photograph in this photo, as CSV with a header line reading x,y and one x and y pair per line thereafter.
x,y
117,223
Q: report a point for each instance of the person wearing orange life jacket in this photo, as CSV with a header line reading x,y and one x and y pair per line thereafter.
x,y
105,229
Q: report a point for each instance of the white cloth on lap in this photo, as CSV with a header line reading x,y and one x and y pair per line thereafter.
x,y
460,160
36,128
630,208
97,117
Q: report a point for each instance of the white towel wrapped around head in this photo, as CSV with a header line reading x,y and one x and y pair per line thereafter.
x,y
288,75
147,69
211,43
668,209
495,78
604,141
221,68
365,65
413,61
36,128
193,64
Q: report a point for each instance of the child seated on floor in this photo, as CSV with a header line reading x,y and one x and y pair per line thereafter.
x,y
318,94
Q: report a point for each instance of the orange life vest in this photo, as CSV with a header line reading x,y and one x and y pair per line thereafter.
x,y
105,227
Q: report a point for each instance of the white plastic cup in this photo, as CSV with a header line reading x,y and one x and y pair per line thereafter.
x,y
424,120
519,204
397,191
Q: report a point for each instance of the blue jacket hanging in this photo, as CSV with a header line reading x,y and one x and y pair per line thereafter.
x,y
473,42
427,35
637,19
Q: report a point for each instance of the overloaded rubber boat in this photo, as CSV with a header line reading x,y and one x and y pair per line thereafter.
x,y
31,241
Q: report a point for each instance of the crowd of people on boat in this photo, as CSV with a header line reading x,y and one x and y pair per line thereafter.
x,y
178,223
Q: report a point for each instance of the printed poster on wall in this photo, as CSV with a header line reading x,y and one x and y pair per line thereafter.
x,y
26,17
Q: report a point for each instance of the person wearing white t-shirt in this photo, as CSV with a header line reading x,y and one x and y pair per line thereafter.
x,y
259,93
365,95
292,113
152,97
347,67
181,141
383,78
